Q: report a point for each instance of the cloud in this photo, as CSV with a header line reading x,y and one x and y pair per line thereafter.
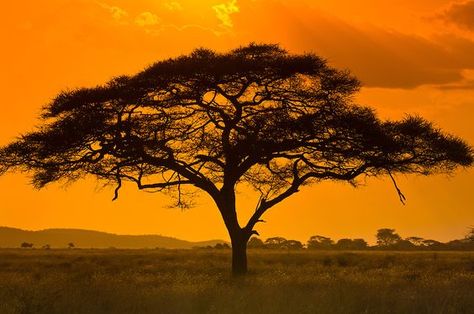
x,y
463,85
224,10
147,19
173,6
461,15
382,58
466,83
378,57
116,12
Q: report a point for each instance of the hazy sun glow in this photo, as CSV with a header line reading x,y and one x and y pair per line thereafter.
x,y
412,56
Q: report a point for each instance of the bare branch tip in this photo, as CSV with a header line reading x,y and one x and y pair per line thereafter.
x,y
255,232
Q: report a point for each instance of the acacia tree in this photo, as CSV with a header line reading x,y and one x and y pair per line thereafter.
x,y
319,242
256,115
387,237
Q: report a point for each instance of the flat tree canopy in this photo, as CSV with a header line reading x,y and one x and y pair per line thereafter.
x,y
256,115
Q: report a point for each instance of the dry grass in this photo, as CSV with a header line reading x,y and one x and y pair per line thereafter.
x,y
198,281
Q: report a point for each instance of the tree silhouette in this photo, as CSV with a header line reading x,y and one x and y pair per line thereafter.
x,y
255,243
359,244
387,237
319,242
351,244
432,243
416,241
293,245
275,243
221,246
256,115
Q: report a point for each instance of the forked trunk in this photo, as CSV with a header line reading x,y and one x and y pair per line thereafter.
x,y
238,236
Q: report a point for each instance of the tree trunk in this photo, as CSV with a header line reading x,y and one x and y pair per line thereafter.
x,y
239,255
238,236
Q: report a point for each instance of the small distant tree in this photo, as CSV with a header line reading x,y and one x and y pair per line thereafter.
x,y
461,244
343,244
26,245
319,242
387,237
404,245
351,244
432,243
222,246
359,244
294,245
275,243
256,115
46,247
416,241
255,243
70,245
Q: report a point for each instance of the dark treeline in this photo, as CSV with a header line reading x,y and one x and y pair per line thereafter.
x,y
387,239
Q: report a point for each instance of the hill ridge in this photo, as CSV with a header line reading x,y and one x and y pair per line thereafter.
x,y
11,237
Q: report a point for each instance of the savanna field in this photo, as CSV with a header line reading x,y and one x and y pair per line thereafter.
x,y
199,281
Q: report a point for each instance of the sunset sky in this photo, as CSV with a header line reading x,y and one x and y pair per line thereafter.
x,y
412,57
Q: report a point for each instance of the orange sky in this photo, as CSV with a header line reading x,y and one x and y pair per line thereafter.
x,y
412,56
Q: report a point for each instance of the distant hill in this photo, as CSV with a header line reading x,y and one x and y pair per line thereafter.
x,y
59,238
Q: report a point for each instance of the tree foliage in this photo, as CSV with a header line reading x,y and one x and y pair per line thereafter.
x,y
416,241
275,243
351,244
255,243
257,114
387,237
319,242
293,245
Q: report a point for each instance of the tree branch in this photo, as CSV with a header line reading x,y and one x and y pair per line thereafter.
x,y
399,192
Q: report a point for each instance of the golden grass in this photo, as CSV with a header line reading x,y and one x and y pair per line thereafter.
x,y
199,281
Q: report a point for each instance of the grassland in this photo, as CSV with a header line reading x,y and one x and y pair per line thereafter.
x,y
198,281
